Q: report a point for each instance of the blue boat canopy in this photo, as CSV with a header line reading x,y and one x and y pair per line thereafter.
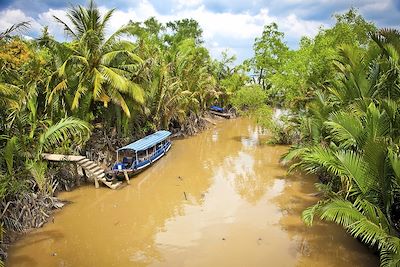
x,y
217,108
147,142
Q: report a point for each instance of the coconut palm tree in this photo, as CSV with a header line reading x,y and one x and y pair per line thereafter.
x,y
191,64
97,68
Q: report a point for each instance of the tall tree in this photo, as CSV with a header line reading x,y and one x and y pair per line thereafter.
x,y
269,53
97,68
183,29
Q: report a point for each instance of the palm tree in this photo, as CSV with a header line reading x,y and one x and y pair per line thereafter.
x,y
166,99
18,27
363,220
364,173
97,68
29,136
357,153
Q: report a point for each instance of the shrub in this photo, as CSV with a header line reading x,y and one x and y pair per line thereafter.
x,y
249,98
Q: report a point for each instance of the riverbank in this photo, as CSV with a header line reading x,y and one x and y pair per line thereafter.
x,y
26,212
219,198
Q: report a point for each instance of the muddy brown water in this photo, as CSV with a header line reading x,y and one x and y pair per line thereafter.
x,y
220,198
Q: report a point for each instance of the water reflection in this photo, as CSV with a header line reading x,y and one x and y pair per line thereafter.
x,y
217,199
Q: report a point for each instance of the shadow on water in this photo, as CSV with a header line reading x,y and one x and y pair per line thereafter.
x,y
42,236
25,260
36,239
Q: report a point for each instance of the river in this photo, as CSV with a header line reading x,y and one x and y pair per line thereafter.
x,y
220,198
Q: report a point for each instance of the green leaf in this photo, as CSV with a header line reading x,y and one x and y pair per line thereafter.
x,y
68,128
8,153
346,129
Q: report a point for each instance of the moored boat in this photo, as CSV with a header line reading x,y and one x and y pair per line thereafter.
x,y
216,110
140,154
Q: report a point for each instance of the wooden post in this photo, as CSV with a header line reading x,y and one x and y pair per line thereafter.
x,y
77,176
80,170
96,181
127,177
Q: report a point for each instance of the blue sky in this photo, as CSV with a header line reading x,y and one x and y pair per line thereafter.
x,y
227,24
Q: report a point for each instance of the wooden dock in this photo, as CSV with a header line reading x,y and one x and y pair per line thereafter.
x,y
92,170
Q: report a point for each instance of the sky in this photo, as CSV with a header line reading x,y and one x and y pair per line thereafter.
x,y
230,25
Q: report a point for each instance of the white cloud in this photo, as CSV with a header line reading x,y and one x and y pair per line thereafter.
x,y
181,4
234,32
47,19
295,27
235,26
141,12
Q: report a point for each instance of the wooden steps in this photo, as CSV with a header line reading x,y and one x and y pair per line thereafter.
x,y
92,170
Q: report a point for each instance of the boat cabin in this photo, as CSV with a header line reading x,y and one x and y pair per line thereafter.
x,y
142,153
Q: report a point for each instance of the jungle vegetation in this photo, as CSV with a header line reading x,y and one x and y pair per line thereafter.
x,y
55,95
340,91
341,94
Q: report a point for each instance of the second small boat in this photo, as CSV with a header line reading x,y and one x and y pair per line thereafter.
x,y
216,110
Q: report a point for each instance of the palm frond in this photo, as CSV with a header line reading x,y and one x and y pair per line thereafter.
x,y
346,129
371,234
373,213
115,79
127,29
98,80
309,213
18,27
354,167
377,122
10,96
390,258
320,157
68,128
395,164
8,153
38,170
77,96
295,153
120,101
136,92
341,212
63,85
107,17
67,29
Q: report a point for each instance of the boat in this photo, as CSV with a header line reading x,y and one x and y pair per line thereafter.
x,y
140,154
216,110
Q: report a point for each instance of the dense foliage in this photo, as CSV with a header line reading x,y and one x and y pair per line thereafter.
x,y
338,97
145,76
341,91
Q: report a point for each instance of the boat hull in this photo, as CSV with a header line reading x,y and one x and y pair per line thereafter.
x,y
225,115
120,174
